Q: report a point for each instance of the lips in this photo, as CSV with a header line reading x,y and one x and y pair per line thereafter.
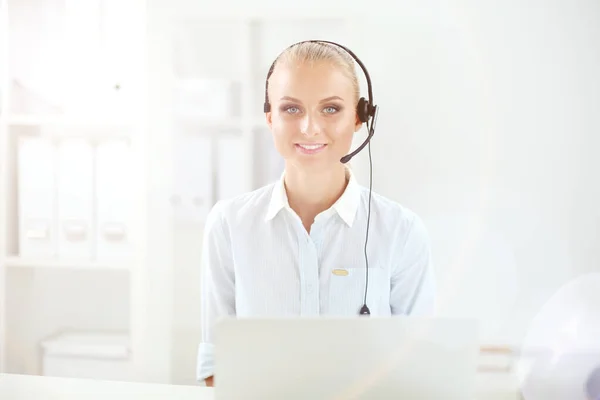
x,y
310,148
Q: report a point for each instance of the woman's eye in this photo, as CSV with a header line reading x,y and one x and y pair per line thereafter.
x,y
292,109
296,110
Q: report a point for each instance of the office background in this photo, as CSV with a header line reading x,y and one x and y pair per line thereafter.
x,y
122,122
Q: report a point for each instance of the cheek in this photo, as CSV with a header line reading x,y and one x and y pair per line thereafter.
x,y
282,136
281,131
285,129
343,132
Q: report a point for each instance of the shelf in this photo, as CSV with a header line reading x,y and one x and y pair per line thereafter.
x,y
211,127
207,125
61,128
67,120
18,262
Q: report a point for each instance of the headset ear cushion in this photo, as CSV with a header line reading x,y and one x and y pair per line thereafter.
x,y
362,109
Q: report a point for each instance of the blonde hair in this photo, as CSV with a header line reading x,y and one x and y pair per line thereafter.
x,y
314,52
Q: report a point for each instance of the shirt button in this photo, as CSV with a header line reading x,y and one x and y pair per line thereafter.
x,y
309,289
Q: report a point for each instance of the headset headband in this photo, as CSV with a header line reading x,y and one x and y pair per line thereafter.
x,y
370,110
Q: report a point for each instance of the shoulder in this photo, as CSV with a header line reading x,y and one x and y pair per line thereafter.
x,y
404,234
394,218
245,207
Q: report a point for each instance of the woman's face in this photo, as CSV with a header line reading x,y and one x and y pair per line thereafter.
x,y
313,115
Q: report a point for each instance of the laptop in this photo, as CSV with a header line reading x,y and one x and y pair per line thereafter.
x,y
346,358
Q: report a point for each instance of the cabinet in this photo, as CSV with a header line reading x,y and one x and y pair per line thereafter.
x,y
73,129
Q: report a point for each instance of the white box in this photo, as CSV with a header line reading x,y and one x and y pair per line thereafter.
x,y
37,197
87,355
75,199
211,99
193,178
114,200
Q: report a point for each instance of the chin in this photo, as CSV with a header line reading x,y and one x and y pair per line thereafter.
x,y
315,164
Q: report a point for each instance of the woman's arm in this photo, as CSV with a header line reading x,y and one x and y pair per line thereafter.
x,y
218,287
413,288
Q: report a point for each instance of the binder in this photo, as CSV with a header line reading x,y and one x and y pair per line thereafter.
x,y
75,199
193,179
36,198
114,200
231,167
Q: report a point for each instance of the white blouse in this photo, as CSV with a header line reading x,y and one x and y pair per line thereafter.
x,y
258,260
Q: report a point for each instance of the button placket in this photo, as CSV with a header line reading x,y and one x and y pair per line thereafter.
x,y
308,273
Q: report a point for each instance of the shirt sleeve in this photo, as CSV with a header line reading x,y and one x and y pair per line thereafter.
x,y
217,286
413,280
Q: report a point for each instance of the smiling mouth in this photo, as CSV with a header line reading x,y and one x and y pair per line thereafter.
x,y
310,148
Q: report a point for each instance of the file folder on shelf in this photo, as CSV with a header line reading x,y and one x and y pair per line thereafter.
x,y
114,200
231,167
75,199
36,198
193,195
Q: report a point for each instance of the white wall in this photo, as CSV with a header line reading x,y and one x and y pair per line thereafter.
x,y
489,130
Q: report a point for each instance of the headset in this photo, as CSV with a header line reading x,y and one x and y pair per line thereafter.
x,y
367,113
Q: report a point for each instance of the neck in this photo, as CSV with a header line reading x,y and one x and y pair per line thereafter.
x,y
312,193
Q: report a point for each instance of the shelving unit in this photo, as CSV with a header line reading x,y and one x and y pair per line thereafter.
x,y
192,116
62,89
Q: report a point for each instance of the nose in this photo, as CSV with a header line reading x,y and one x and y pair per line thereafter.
x,y
309,126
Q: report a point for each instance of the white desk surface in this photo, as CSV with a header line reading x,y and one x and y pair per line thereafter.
x,y
28,387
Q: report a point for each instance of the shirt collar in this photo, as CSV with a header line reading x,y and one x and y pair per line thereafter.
x,y
346,206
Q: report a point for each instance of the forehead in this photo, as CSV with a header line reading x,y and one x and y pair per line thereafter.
x,y
309,80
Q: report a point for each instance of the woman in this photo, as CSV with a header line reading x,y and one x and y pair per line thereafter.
x,y
296,247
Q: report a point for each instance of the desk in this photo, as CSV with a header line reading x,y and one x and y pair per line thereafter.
x,y
27,387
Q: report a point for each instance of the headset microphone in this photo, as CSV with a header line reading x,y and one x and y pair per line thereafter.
x,y
367,112
371,131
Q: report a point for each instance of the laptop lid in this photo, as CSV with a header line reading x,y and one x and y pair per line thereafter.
x,y
346,358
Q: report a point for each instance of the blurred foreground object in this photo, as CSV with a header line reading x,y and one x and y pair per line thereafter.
x,y
562,346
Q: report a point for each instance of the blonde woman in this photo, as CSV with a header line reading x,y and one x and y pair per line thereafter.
x,y
298,247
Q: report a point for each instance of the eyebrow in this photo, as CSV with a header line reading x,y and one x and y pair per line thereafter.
x,y
322,101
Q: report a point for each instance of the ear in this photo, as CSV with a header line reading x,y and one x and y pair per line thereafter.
x,y
357,124
269,118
